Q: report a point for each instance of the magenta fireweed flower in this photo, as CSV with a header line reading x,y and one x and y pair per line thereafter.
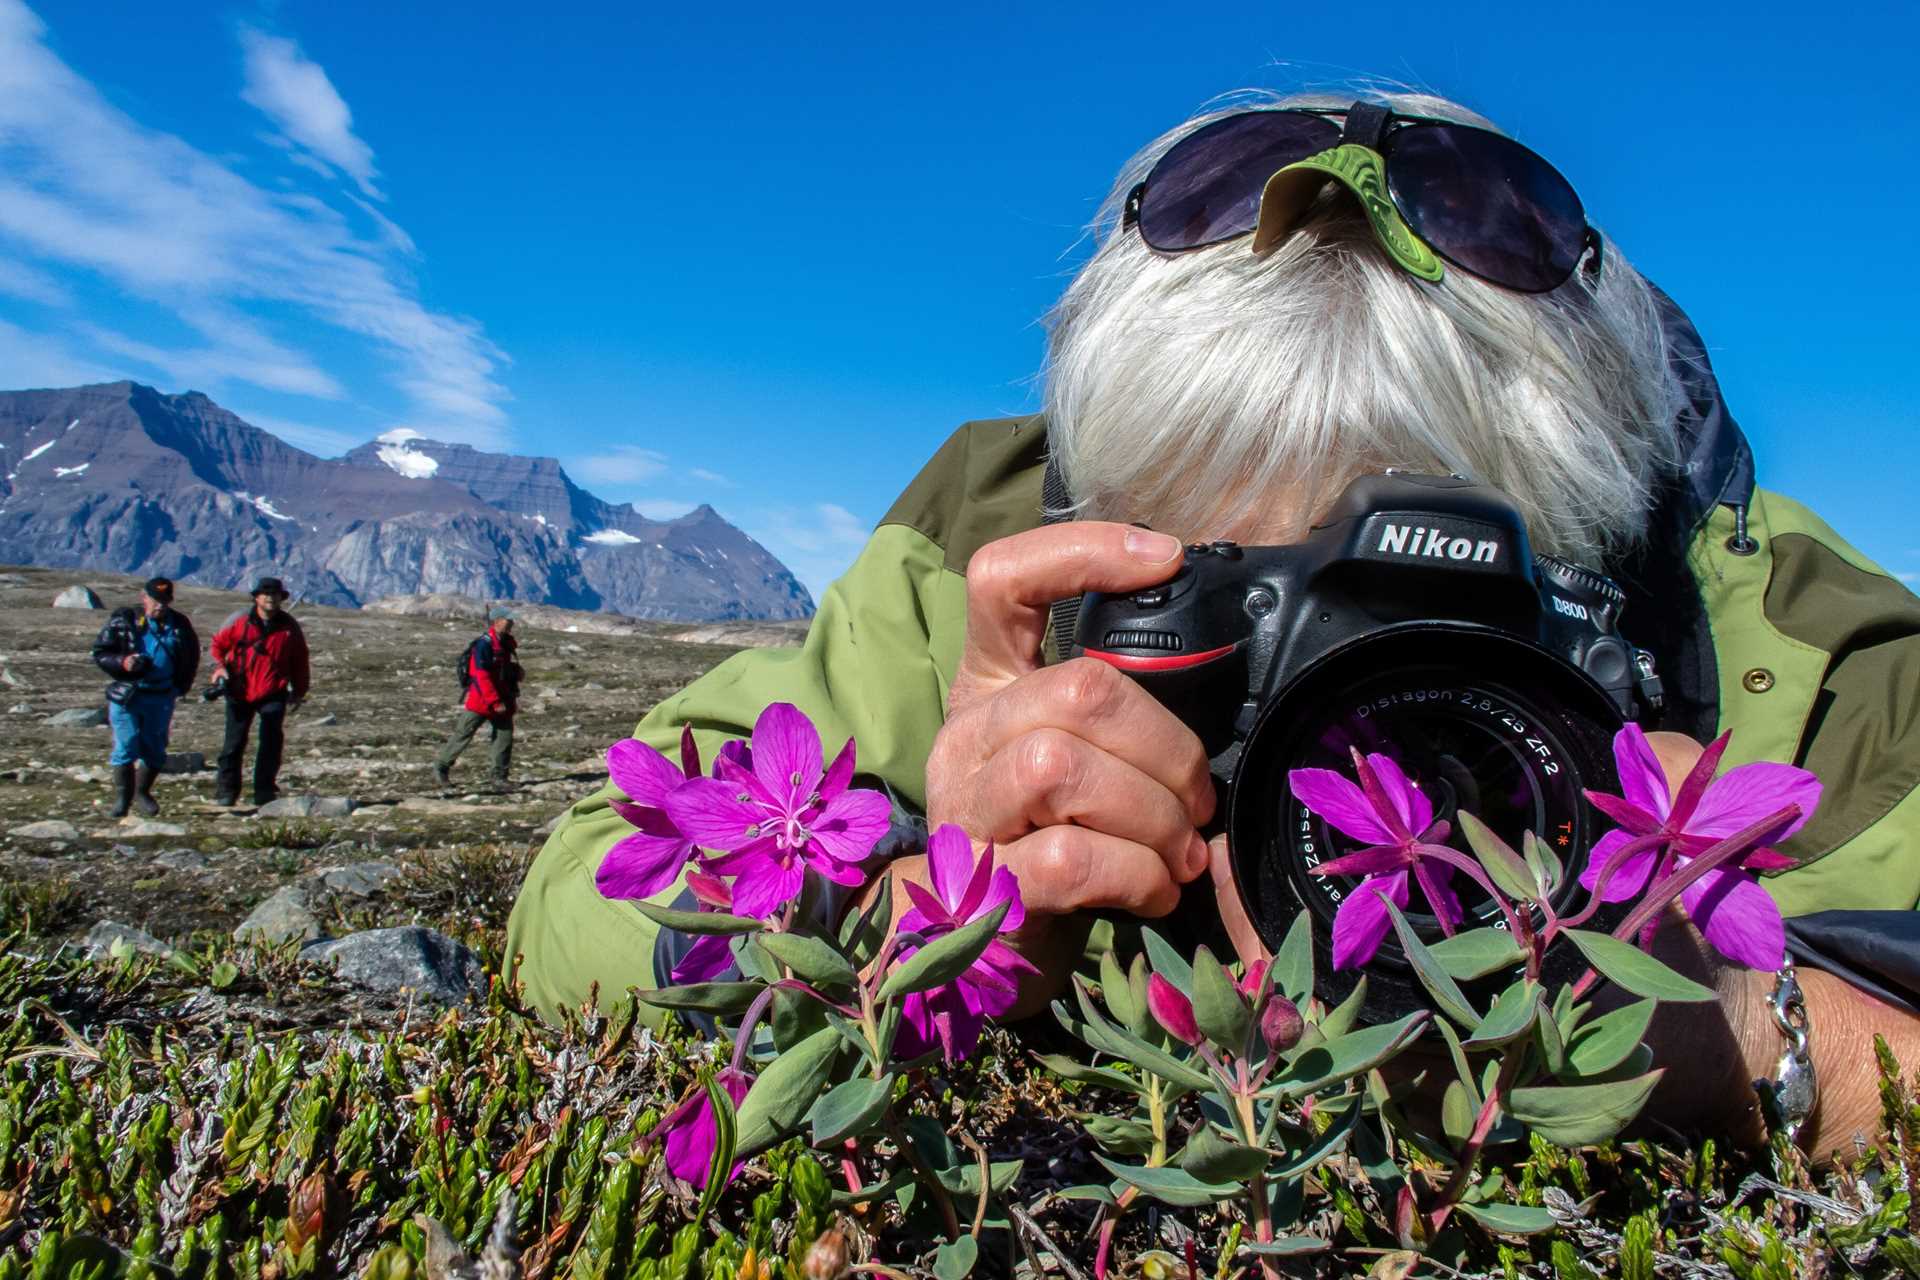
x,y
1394,819
964,889
644,863
1172,1010
1738,917
711,954
693,1136
779,813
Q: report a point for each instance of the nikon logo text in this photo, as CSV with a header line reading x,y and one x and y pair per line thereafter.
x,y
1418,540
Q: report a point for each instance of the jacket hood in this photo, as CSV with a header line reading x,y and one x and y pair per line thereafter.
x,y
1716,464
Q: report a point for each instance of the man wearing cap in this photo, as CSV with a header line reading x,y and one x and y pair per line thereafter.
x,y
262,655
492,681
151,653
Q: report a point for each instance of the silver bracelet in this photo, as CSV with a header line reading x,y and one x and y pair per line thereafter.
x,y
1789,1097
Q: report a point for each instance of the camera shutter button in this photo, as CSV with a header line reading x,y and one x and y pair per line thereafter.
x,y
1152,598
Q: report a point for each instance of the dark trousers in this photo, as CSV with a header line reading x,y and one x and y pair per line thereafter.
x,y
469,724
266,764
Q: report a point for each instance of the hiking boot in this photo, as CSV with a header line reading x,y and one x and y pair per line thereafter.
x,y
143,792
122,790
226,799
442,775
265,797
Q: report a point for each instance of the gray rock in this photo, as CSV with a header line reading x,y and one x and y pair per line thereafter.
x,y
180,859
79,718
77,597
285,915
307,806
185,762
103,936
148,827
324,720
20,709
361,879
409,959
52,829
11,680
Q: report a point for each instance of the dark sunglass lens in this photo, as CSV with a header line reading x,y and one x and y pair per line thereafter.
x,y
1207,187
1487,204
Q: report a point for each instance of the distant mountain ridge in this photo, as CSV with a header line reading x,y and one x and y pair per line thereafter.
x,y
121,477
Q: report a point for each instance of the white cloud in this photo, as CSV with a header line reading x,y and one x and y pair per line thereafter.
x,y
622,464
294,93
29,360
22,281
85,186
240,352
711,477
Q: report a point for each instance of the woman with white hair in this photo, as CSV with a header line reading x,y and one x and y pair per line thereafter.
x,y
1288,294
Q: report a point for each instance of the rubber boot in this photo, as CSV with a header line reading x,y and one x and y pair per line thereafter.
x,y
143,794
122,789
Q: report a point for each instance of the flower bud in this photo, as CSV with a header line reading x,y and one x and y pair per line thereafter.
x,y
710,891
1281,1024
827,1259
1249,984
1172,1010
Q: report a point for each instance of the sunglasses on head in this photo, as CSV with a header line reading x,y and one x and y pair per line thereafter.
x,y
1479,200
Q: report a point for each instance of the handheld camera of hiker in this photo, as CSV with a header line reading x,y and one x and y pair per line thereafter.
x,y
1414,621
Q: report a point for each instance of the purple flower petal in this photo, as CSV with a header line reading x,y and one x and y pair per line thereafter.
x,y
1744,795
1630,816
1344,806
1003,958
1738,917
710,891
762,890
850,825
839,872
1631,877
1361,924
1364,862
927,907
838,774
691,1141
689,753
708,958
1004,887
736,753
1764,859
1410,804
1643,783
968,907
643,773
950,864
1687,796
710,814
786,755
640,865
1434,876
745,784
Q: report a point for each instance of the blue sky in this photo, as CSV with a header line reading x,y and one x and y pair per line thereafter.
x,y
768,256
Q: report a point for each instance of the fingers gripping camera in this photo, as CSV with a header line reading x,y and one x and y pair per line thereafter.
x,y
1415,621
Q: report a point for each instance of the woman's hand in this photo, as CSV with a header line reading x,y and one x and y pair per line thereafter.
x,y
1090,790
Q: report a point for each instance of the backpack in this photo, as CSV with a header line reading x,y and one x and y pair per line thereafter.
x,y
464,666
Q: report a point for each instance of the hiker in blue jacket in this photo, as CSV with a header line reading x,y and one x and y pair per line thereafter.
x,y
151,654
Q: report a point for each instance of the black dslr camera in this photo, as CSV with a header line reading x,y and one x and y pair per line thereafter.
x,y
1417,622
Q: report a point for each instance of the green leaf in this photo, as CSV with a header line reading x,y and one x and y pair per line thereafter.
x,y
849,1109
1553,1046
811,959
1211,1156
223,975
1477,953
1115,990
1088,1191
862,934
1510,1219
706,997
1128,1137
1577,1115
1604,1043
1348,1056
945,958
1457,1113
1106,1077
698,921
725,1126
1222,1015
1634,969
1293,963
1104,1036
1542,861
1511,1017
1286,1246
1171,1185
1141,1023
954,1260
1448,996
1341,1020
1297,1163
786,1090
1168,963
1507,869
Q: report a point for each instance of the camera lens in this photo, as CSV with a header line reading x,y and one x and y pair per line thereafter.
x,y
1490,727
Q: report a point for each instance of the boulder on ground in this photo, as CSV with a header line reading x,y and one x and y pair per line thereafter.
x,y
78,718
77,597
408,959
284,915
20,709
306,806
104,936
180,859
147,827
361,879
52,829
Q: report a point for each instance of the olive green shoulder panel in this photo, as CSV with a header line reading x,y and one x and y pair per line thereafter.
x,y
983,484
1819,655
875,667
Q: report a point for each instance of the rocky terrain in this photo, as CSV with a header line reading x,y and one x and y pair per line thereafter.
x,y
363,836
121,478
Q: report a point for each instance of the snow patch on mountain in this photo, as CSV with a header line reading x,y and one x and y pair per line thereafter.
x,y
37,452
408,462
70,471
264,506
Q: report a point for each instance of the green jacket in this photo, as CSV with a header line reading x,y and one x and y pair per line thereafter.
x,y
1813,658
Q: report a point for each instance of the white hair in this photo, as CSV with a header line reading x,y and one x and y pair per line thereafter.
x,y
1215,392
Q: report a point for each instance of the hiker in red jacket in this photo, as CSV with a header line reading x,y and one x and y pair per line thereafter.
x,y
492,682
261,655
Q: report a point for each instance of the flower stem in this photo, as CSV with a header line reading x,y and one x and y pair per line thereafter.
x,y
1734,846
1608,869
